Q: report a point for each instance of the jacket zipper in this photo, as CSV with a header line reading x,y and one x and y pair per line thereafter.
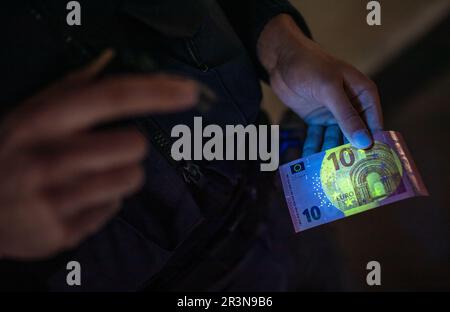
x,y
190,171
192,48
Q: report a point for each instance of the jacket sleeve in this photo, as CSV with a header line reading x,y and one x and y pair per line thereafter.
x,y
248,18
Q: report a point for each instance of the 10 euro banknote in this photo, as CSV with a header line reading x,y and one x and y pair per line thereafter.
x,y
343,181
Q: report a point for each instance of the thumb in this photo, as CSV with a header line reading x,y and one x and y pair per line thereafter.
x,y
350,122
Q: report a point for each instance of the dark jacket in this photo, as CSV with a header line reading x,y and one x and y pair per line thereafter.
x,y
163,234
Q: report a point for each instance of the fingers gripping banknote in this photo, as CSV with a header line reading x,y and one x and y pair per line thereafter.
x,y
343,181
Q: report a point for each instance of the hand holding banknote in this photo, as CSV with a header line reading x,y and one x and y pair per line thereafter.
x,y
330,95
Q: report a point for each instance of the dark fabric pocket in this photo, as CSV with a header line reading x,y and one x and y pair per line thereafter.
x,y
119,258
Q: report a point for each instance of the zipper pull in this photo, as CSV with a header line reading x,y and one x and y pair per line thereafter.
x,y
192,173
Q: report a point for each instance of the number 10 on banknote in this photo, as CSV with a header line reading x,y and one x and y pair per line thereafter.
x,y
343,181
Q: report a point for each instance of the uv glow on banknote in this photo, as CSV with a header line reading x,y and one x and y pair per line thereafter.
x,y
343,181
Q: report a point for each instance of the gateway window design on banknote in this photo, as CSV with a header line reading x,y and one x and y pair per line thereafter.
x,y
343,181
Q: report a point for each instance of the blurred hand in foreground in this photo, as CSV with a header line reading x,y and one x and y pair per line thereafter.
x,y
62,180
